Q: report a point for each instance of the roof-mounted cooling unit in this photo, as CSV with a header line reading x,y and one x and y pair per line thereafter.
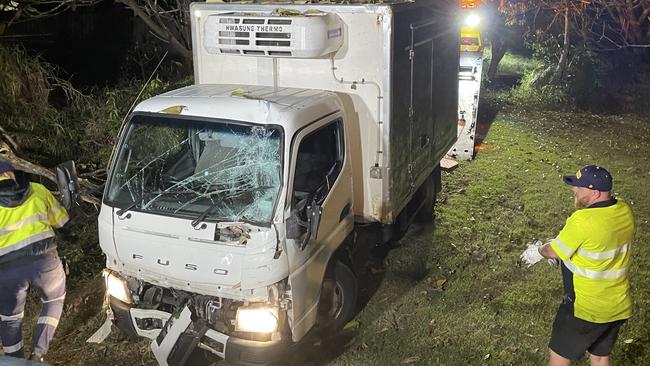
x,y
305,35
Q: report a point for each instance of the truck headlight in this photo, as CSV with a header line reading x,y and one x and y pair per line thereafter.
x,y
117,287
472,20
257,319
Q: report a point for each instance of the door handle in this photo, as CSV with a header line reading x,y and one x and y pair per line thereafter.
x,y
345,211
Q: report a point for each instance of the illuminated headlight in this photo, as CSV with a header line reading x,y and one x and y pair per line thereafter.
x,y
116,287
472,20
257,319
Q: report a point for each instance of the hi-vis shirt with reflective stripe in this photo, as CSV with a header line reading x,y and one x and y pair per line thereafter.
x,y
595,245
31,221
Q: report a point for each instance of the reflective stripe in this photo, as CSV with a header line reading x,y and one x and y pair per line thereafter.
x,y
608,254
7,318
17,225
55,211
62,222
25,242
62,297
614,273
14,348
48,320
567,252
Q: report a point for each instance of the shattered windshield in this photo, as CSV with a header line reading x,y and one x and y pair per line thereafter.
x,y
170,165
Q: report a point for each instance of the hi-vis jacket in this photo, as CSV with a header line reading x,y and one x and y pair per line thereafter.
x,y
595,245
30,222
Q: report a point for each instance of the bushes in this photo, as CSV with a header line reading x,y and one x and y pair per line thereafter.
x,y
599,82
52,122
28,89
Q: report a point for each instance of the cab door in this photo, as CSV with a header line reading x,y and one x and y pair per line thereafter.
x,y
319,213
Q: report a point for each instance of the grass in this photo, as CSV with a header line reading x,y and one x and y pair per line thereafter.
x,y
490,310
511,63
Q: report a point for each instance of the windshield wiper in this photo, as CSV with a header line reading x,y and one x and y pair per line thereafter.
x,y
128,208
214,205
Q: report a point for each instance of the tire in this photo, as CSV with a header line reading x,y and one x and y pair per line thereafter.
x,y
341,306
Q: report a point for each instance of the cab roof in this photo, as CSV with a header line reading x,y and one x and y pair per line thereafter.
x,y
289,107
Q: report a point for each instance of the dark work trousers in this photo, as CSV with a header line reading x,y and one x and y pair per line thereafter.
x,y
44,273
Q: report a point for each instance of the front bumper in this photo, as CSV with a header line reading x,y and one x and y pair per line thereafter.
x,y
236,351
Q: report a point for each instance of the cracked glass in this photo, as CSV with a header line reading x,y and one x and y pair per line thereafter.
x,y
183,167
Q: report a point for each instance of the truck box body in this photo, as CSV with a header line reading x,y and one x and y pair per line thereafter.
x,y
395,72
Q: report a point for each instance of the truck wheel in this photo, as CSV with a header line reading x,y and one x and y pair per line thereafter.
x,y
428,196
344,297
339,298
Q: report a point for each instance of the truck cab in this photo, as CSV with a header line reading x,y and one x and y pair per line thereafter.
x,y
197,201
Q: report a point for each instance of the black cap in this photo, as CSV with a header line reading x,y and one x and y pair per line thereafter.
x,y
592,177
6,167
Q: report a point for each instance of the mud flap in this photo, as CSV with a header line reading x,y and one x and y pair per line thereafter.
x,y
178,339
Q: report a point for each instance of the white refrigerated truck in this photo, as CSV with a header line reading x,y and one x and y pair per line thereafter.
x,y
230,211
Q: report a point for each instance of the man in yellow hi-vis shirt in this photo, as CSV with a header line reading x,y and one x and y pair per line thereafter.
x,y
28,258
594,249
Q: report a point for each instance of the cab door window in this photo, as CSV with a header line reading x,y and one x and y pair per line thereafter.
x,y
318,164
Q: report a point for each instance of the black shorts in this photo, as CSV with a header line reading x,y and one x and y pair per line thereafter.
x,y
571,336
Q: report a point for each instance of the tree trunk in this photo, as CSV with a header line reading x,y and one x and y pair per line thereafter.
x,y
499,49
7,154
562,64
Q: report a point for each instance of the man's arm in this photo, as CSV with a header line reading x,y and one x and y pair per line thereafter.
x,y
547,251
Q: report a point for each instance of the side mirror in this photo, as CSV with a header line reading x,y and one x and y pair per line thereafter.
x,y
304,230
67,181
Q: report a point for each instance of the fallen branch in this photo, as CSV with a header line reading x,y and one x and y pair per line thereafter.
x,y
7,154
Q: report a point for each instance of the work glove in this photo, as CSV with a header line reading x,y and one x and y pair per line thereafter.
x,y
554,262
531,255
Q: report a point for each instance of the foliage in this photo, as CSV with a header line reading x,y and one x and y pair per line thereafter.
x,y
568,34
547,97
512,63
29,89
51,122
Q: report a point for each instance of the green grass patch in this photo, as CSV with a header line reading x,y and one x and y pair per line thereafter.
x,y
490,310
511,63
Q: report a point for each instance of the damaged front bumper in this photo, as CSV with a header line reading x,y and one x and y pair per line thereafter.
x,y
173,341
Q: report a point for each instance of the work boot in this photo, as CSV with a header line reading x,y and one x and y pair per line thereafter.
x,y
35,357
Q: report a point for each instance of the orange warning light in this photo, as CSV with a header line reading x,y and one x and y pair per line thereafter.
x,y
469,4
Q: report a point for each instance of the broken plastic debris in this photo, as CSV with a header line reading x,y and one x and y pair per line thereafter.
x,y
102,333
235,233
